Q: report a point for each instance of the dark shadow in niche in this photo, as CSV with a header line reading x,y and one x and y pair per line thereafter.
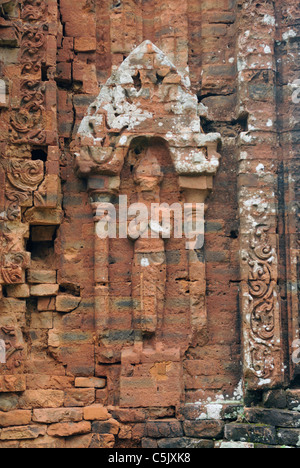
x,y
137,82
159,79
44,70
234,234
68,288
227,129
39,154
296,382
41,246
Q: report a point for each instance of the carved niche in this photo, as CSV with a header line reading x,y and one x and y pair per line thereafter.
x,y
142,137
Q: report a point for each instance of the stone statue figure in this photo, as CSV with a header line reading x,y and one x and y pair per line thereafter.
x,y
149,263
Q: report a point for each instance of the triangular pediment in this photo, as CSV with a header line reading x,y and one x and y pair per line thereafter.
x,y
147,86
146,96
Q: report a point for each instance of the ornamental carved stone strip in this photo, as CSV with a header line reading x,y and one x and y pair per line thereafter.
x,y
25,175
23,178
145,116
260,299
33,10
258,204
33,41
292,233
27,124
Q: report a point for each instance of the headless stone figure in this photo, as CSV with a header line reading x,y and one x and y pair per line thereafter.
x,y
149,264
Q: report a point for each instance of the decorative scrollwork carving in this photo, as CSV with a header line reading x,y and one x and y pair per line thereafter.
x,y
13,261
14,346
33,10
27,122
25,175
14,200
32,48
262,286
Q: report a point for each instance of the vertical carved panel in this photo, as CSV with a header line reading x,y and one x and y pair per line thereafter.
x,y
260,301
27,124
258,185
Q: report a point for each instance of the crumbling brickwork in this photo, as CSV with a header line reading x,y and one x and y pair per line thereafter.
x,y
132,341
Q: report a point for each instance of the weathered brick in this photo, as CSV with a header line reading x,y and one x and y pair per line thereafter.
x,y
15,418
273,417
289,437
149,443
41,399
41,276
22,432
44,290
164,429
96,413
91,441
67,429
203,429
275,399
8,402
43,442
185,442
248,97
106,427
56,415
79,397
252,433
46,304
66,303
19,291
293,400
125,415
12,383
89,382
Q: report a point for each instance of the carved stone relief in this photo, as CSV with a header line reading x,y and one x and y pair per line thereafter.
x,y
14,260
149,264
146,98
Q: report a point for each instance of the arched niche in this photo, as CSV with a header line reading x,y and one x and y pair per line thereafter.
x,y
146,120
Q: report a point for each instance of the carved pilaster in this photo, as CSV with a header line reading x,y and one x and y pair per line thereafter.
x,y
196,190
101,190
258,210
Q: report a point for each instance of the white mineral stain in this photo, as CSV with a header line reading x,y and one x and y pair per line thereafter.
x,y
288,34
268,19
